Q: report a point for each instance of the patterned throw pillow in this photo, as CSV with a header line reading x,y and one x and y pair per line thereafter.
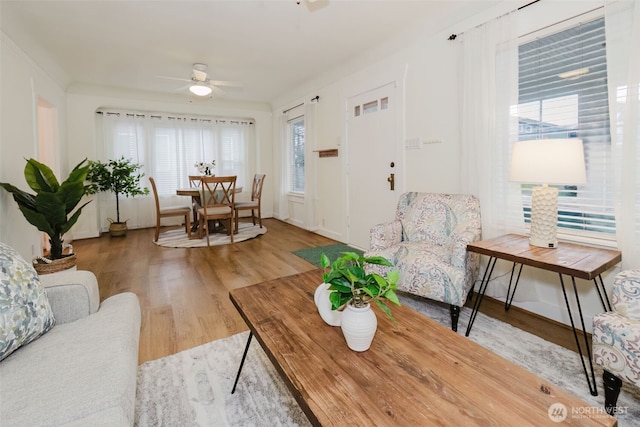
x,y
25,313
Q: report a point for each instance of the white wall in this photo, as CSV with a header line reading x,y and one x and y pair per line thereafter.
x,y
22,82
430,113
82,103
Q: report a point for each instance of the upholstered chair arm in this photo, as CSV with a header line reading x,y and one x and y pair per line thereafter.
x,y
384,235
626,294
72,294
459,242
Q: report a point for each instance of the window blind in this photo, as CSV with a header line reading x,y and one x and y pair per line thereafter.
x,y
563,94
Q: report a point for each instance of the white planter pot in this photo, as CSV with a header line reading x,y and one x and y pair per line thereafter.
x,y
358,325
321,297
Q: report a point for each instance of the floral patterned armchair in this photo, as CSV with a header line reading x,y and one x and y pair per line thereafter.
x,y
616,337
427,243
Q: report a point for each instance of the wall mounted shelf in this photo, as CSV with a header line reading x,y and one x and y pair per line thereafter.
x,y
329,152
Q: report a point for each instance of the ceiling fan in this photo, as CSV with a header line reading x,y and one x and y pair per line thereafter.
x,y
200,84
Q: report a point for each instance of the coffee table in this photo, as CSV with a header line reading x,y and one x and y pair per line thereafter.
x,y
416,373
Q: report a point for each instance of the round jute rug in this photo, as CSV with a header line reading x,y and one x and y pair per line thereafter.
x,y
177,238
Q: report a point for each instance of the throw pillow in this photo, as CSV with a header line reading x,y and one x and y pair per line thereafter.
x,y
25,313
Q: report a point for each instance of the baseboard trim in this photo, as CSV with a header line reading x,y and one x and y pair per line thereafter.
x,y
534,323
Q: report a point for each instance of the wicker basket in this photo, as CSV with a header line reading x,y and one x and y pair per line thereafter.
x,y
67,262
118,229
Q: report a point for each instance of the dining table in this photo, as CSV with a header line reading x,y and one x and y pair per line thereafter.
x,y
196,197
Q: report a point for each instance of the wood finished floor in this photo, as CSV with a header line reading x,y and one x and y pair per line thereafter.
x,y
184,293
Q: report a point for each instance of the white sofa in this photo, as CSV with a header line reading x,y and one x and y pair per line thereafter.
x,y
82,372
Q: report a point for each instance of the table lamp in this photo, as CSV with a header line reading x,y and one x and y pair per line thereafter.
x,y
547,161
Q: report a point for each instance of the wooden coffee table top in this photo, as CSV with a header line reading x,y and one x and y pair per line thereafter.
x,y
416,373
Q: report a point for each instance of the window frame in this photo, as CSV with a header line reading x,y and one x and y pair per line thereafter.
x,y
294,120
567,233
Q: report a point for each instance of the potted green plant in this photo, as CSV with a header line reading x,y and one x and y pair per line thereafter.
x,y
122,177
51,208
352,287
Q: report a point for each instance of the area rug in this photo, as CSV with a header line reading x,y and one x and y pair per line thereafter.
x,y
313,255
178,238
192,388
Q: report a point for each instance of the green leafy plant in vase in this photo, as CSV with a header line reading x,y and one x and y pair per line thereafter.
x,y
51,208
122,177
352,287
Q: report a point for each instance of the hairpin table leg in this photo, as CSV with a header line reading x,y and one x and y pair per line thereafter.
x,y
244,356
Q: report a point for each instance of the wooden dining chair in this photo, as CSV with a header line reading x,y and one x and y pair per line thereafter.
x,y
195,181
254,204
183,211
218,201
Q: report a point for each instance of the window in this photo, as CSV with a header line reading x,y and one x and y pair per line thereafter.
x,y
168,147
296,155
563,94
371,107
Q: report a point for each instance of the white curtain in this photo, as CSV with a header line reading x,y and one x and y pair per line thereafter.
x,y
622,28
123,135
310,184
488,88
282,166
168,147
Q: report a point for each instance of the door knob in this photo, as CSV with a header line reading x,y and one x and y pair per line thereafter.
x,y
392,181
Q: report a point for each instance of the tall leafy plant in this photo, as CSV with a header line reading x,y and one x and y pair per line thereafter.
x,y
50,208
121,176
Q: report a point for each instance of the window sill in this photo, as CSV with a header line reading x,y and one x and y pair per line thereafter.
x,y
295,197
608,243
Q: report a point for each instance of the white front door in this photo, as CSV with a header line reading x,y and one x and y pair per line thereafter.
x,y
372,159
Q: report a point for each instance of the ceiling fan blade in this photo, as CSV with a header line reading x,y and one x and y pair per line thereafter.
x,y
225,83
216,90
174,78
182,88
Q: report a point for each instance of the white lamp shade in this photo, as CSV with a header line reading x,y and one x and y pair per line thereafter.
x,y
200,90
548,161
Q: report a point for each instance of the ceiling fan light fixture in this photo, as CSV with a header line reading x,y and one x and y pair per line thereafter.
x,y
200,89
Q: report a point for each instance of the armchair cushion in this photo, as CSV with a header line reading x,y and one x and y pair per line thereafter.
x,y
25,313
428,220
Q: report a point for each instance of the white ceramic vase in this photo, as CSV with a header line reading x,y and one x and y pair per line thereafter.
x,y
359,325
321,298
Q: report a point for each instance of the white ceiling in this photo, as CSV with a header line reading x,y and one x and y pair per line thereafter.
x,y
270,46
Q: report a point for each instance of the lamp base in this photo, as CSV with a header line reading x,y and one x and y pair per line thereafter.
x,y
544,217
542,243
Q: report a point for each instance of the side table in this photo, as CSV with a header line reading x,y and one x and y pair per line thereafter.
x,y
573,260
